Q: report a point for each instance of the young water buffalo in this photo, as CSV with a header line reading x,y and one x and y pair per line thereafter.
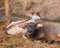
x,y
26,29
20,26
48,32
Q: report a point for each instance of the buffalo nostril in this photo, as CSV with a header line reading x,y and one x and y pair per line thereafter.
x,y
30,31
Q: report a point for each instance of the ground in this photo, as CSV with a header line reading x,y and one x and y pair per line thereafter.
x,y
16,41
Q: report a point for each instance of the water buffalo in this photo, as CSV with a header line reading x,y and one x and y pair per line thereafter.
x,y
19,26
22,26
48,32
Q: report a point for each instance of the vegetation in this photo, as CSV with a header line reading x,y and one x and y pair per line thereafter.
x,y
57,19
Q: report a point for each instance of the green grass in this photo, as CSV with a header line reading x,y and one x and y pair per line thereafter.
x,y
57,19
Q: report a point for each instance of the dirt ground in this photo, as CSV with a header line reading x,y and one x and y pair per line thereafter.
x,y
16,41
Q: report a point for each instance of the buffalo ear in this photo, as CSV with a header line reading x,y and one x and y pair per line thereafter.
x,y
39,25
